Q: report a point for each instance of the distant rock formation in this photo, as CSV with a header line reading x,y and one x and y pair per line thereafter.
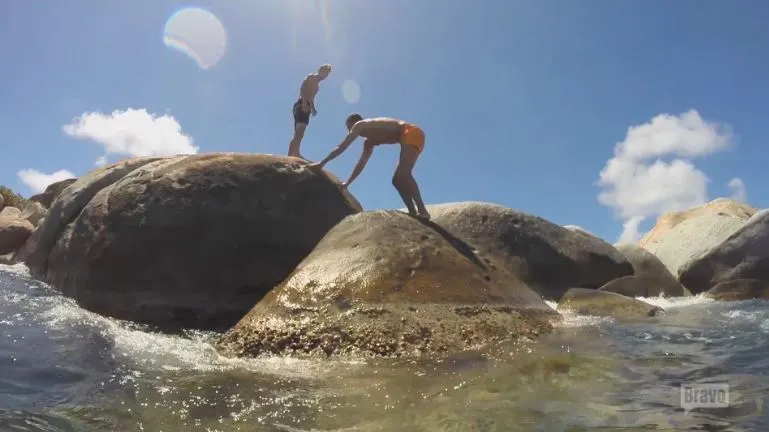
x,y
51,192
719,206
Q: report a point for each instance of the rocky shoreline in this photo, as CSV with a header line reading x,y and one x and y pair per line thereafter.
x,y
280,260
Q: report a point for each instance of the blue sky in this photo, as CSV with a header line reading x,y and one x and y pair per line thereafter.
x,y
523,102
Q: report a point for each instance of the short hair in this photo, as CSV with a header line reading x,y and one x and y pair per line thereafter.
x,y
326,67
353,118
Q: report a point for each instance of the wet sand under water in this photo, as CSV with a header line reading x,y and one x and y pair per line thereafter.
x,y
65,369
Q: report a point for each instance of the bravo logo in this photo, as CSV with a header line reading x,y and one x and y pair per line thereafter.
x,y
714,395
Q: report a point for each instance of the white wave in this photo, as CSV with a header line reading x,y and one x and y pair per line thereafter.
x,y
676,302
152,350
19,270
571,319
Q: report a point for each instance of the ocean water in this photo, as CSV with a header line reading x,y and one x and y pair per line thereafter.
x,y
65,369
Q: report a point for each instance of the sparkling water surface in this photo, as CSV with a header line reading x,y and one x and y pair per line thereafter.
x,y
65,369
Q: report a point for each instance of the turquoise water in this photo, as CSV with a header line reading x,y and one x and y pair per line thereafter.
x,y
65,369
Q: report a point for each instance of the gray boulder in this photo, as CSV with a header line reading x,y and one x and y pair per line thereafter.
x,y
547,257
653,277
605,304
742,255
739,289
692,238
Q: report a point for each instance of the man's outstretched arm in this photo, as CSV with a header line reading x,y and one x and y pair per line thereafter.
x,y
340,148
368,147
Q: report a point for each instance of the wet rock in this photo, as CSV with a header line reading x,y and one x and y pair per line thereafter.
x,y
51,192
187,241
586,301
692,238
720,206
383,283
652,277
739,289
743,255
547,257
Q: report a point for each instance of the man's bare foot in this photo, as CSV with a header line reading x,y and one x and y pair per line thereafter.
x,y
424,215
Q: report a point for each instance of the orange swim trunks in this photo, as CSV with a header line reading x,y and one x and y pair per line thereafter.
x,y
414,136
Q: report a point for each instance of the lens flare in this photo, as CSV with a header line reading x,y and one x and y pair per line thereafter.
x,y
198,34
351,91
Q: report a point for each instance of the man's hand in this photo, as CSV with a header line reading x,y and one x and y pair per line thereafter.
x,y
344,185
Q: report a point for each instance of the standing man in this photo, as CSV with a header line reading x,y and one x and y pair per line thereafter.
x,y
385,130
304,106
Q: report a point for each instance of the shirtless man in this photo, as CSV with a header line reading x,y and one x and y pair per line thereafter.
x,y
304,106
383,130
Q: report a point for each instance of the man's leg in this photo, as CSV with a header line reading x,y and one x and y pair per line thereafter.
x,y
418,197
400,185
407,185
293,146
301,120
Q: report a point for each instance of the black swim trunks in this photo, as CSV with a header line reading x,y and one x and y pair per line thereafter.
x,y
299,115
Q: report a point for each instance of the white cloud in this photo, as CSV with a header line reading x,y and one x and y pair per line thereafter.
x,y
638,184
739,190
132,132
101,161
37,181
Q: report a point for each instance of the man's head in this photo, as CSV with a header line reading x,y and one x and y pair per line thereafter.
x,y
352,119
324,70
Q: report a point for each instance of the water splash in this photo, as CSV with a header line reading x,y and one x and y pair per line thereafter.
x,y
198,34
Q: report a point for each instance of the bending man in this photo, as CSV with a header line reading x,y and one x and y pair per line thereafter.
x,y
385,130
304,106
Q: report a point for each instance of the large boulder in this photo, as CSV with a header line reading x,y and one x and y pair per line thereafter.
x,y
743,255
34,212
720,206
739,289
9,213
47,197
692,238
653,277
187,241
13,232
67,206
600,303
383,283
547,257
